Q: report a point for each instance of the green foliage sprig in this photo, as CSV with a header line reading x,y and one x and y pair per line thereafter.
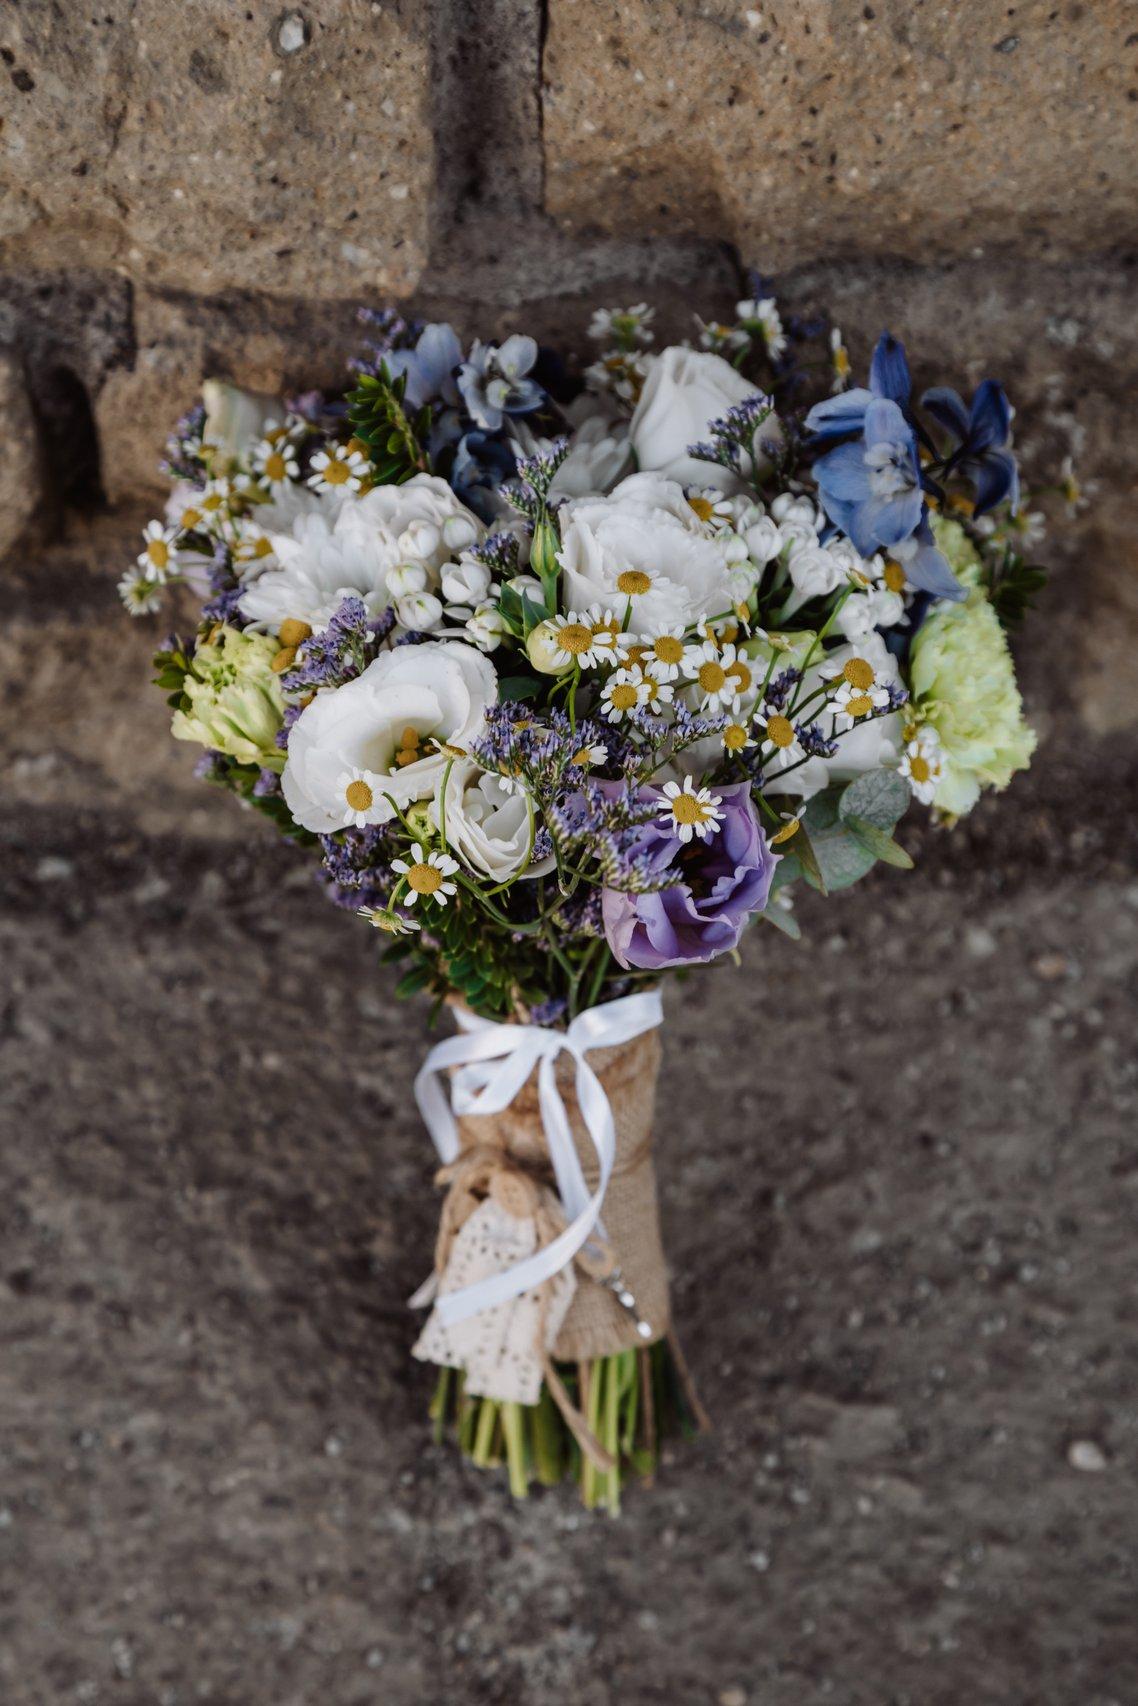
x,y
394,438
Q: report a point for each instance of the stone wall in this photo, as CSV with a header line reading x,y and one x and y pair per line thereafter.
x,y
214,187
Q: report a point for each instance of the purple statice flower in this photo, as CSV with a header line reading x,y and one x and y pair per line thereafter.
x,y
183,459
898,696
223,606
814,741
291,715
723,882
342,650
355,867
211,766
733,434
267,784
498,553
549,1012
779,688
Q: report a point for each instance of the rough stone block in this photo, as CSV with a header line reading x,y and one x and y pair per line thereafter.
x,y
211,145
808,128
20,463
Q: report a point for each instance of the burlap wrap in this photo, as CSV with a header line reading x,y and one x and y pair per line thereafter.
x,y
597,1325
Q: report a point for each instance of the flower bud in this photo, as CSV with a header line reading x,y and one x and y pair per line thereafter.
x,y
406,578
543,552
419,611
541,648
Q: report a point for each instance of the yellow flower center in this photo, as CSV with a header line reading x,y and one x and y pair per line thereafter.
x,y
159,553
275,466
584,756
919,769
293,631
336,472
894,576
781,731
858,673
734,737
687,809
409,743
741,674
842,362
359,796
212,502
190,519
712,677
355,444
859,706
634,654
785,833
575,638
424,879
623,696
256,548
633,582
282,660
703,508
668,649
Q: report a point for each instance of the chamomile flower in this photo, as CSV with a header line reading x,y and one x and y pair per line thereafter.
x,y
159,558
661,651
141,594
839,361
690,810
254,550
660,693
714,509
737,737
625,690
791,824
587,756
274,459
921,765
215,504
762,319
362,794
622,372
722,340
392,923
1076,493
581,637
780,735
721,675
860,693
624,326
428,875
339,469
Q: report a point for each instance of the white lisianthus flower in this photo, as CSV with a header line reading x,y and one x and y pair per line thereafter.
x,y
385,725
684,392
353,548
644,545
486,821
599,455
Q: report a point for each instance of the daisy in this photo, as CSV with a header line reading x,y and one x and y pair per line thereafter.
x,y
791,824
721,675
254,549
338,470
360,790
635,583
713,508
214,505
720,339
274,459
428,875
691,810
851,703
839,361
159,559
580,638
661,651
141,594
736,737
587,756
781,736
390,922
624,691
921,765
622,325
763,320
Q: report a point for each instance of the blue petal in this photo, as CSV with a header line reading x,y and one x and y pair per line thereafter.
x,y
946,406
995,477
843,473
838,415
885,424
437,354
886,521
928,569
524,395
991,416
889,370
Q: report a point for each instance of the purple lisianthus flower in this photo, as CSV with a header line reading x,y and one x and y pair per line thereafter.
x,y
724,881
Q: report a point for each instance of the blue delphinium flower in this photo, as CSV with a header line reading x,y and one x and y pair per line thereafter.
x,y
871,487
482,463
493,381
431,366
836,417
981,436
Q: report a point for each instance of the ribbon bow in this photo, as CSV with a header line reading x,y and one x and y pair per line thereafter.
x,y
493,1061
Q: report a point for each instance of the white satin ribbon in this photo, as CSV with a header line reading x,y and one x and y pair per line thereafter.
x,y
493,1061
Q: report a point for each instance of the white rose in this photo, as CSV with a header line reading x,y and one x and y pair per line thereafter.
x,y
599,455
643,543
486,822
685,391
352,548
359,733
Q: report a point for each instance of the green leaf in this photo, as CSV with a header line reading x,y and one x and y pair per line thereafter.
x,y
807,858
841,860
518,687
879,797
782,920
878,842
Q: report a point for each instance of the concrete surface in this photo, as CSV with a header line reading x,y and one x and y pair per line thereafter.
x,y
899,1167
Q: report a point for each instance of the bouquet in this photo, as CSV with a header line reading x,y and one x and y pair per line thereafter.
x,y
563,679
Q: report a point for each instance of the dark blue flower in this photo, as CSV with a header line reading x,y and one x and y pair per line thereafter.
x,y
839,416
981,436
482,463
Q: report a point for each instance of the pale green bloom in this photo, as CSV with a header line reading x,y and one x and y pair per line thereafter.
x,y
963,685
236,704
963,557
